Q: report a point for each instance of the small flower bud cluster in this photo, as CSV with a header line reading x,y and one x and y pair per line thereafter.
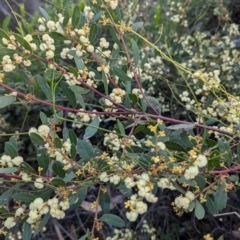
x,y
138,92
166,183
42,130
136,204
117,96
7,64
58,154
192,171
7,161
182,202
115,179
122,235
80,118
38,208
111,3
101,50
88,13
48,46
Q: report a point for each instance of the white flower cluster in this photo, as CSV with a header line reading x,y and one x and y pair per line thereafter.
x,y
128,234
59,153
43,130
182,202
6,160
115,179
138,92
192,171
7,64
48,46
166,183
122,235
112,3
117,96
103,44
112,141
80,118
38,208
88,13
136,204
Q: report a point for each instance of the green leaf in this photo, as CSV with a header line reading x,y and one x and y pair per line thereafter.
x,y
42,224
23,196
220,198
65,133
154,103
44,13
3,34
238,150
66,17
72,137
36,138
76,16
121,127
7,100
27,231
57,168
58,36
43,160
201,182
27,168
73,151
14,142
68,93
9,170
104,202
57,182
97,16
122,75
138,129
178,187
74,72
10,150
74,201
210,142
44,194
79,62
92,128
43,118
214,159
26,80
133,98
128,192
69,176
85,150
52,74
79,90
137,26
136,53
23,42
210,205
105,84
199,210
58,142
93,32
44,86
7,196
225,148
114,36
174,146
112,220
